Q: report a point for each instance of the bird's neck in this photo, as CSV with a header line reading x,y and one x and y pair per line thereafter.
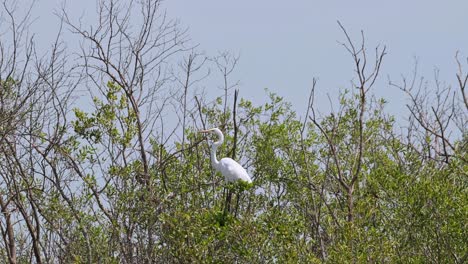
x,y
214,160
215,146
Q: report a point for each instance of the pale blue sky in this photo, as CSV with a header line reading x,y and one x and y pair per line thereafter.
x,y
283,45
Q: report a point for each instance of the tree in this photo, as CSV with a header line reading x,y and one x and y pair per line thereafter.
x,y
119,174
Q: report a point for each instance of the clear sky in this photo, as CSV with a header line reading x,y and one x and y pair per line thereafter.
x,y
283,45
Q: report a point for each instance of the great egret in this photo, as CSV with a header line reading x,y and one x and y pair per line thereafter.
x,y
229,168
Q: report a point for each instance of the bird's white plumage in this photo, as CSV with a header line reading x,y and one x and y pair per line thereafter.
x,y
229,168
233,171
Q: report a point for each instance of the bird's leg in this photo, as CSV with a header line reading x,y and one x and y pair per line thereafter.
x,y
237,204
226,202
224,197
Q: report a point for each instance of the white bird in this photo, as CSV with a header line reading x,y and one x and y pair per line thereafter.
x,y
229,168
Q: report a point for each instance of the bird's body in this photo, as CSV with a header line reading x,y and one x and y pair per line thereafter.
x,y
232,171
229,168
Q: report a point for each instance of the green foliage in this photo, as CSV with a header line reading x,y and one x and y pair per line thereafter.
x,y
405,209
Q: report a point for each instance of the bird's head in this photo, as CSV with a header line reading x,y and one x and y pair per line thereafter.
x,y
215,131
207,130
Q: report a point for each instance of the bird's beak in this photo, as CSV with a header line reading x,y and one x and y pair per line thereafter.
x,y
204,131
